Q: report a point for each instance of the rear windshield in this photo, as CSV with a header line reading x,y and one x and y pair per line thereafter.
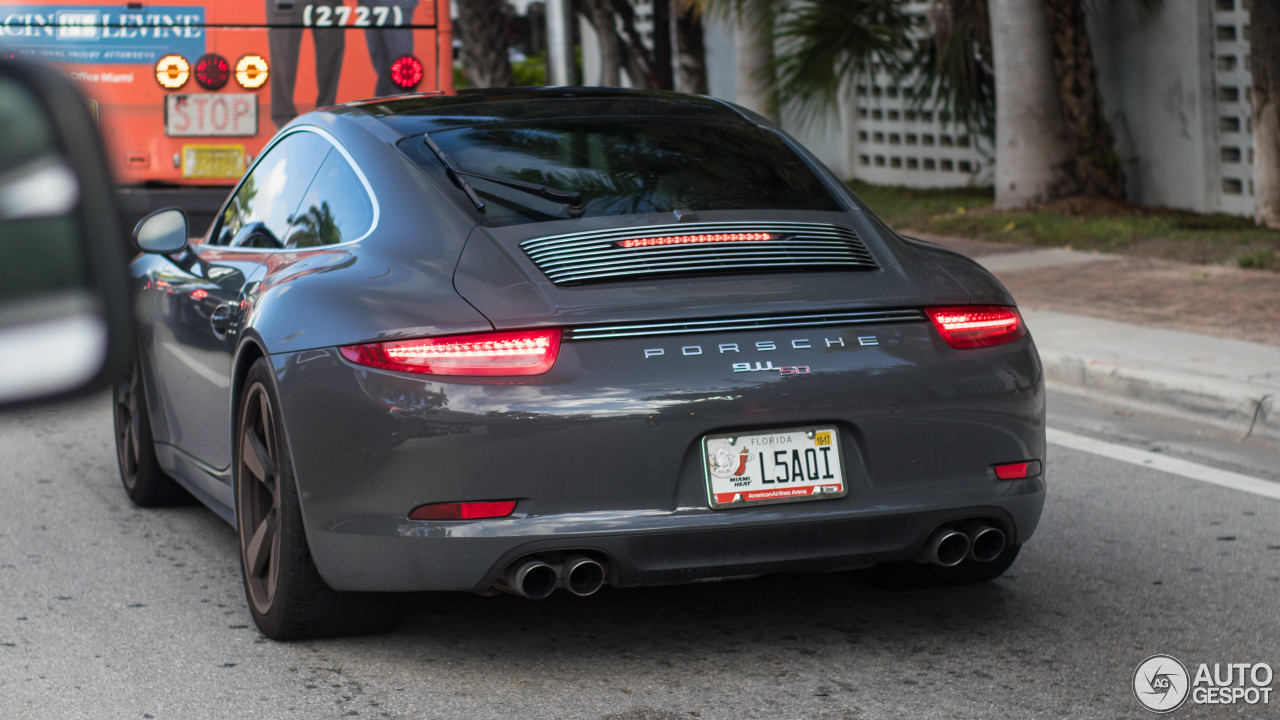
x,y
627,166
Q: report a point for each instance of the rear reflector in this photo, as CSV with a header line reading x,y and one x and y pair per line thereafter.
x,y
695,239
1018,471
974,326
463,511
528,352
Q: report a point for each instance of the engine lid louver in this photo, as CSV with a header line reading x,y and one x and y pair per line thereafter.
x,y
697,249
744,323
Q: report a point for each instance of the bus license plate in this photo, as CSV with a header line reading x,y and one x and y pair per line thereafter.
x,y
211,115
212,161
761,468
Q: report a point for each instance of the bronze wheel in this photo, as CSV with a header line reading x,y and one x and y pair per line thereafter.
x,y
258,504
144,482
287,597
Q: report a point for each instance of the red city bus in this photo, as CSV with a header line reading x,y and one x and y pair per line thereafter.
x,y
187,92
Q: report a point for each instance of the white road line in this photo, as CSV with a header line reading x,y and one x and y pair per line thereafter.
x,y
1163,463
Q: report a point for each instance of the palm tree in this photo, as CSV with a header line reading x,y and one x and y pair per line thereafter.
x,y
1053,122
1094,166
1264,65
691,53
824,46
482,29
1032,152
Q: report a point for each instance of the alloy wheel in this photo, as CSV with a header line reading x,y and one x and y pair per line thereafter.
x,y
258,498
127,426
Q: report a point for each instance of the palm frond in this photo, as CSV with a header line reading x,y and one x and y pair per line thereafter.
x,y
953,66
826,45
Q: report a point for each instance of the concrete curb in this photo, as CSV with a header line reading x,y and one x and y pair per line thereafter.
x,y
1227,404
1227,383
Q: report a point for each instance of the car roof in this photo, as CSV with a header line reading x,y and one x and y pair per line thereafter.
x,y
415,114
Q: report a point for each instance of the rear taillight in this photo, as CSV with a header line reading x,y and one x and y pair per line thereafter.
x,y
212,71
172,71
463,511
251,71
974,326
528,352
406,72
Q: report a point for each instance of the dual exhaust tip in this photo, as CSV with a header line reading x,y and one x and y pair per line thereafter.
x,y
975,541
535,578
582,575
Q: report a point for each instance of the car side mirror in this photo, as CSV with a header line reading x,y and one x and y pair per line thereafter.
x,y
163,232
66,321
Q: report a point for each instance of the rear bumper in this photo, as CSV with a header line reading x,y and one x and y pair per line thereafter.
x,y
645,549
603,454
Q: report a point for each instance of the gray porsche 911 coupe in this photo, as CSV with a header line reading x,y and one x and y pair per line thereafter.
x,y
555,339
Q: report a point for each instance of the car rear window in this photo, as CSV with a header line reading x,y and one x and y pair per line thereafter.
x,y
627,166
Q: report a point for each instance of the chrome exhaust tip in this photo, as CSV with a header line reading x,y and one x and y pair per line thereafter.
x,y
986,543
583,576
531,578
945,547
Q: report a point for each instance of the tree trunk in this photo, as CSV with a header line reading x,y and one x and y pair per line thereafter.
x,y
600,14
1264,65
482,30
1032,151
637,59
756,62
691,50
1095,166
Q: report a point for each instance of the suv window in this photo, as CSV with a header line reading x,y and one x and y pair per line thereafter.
x,y
627,165
258,215
335,209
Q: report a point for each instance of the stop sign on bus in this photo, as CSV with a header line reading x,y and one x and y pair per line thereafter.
x,y
209,114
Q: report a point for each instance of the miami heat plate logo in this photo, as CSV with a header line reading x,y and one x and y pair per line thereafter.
x,y
725,463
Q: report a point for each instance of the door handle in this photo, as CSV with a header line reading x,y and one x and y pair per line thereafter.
x,y
223,318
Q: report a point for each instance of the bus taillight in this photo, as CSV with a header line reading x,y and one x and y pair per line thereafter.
x,y
172,71
212,71
406,72
251,72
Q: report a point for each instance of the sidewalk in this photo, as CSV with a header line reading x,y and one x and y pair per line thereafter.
x,y
1200,342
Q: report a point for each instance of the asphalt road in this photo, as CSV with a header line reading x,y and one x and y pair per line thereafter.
x,y
107,611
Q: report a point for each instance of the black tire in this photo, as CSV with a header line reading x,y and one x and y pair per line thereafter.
x,y
913,575
144,482
287,597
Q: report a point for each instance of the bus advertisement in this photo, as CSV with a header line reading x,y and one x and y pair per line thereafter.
x,y
187,92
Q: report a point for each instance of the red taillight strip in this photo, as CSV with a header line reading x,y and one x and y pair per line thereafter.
x,y
463,511
694,239
526,352
974,326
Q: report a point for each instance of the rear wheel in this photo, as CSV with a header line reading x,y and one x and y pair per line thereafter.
x,y
286,595
144,482
909,575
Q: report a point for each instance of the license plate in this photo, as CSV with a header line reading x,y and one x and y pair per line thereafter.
x,y
777,466
212,161
211,115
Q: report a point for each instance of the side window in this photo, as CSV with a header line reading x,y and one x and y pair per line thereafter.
x,y
335,209
258,215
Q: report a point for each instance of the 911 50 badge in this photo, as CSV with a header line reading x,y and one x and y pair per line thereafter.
x,y
778,466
